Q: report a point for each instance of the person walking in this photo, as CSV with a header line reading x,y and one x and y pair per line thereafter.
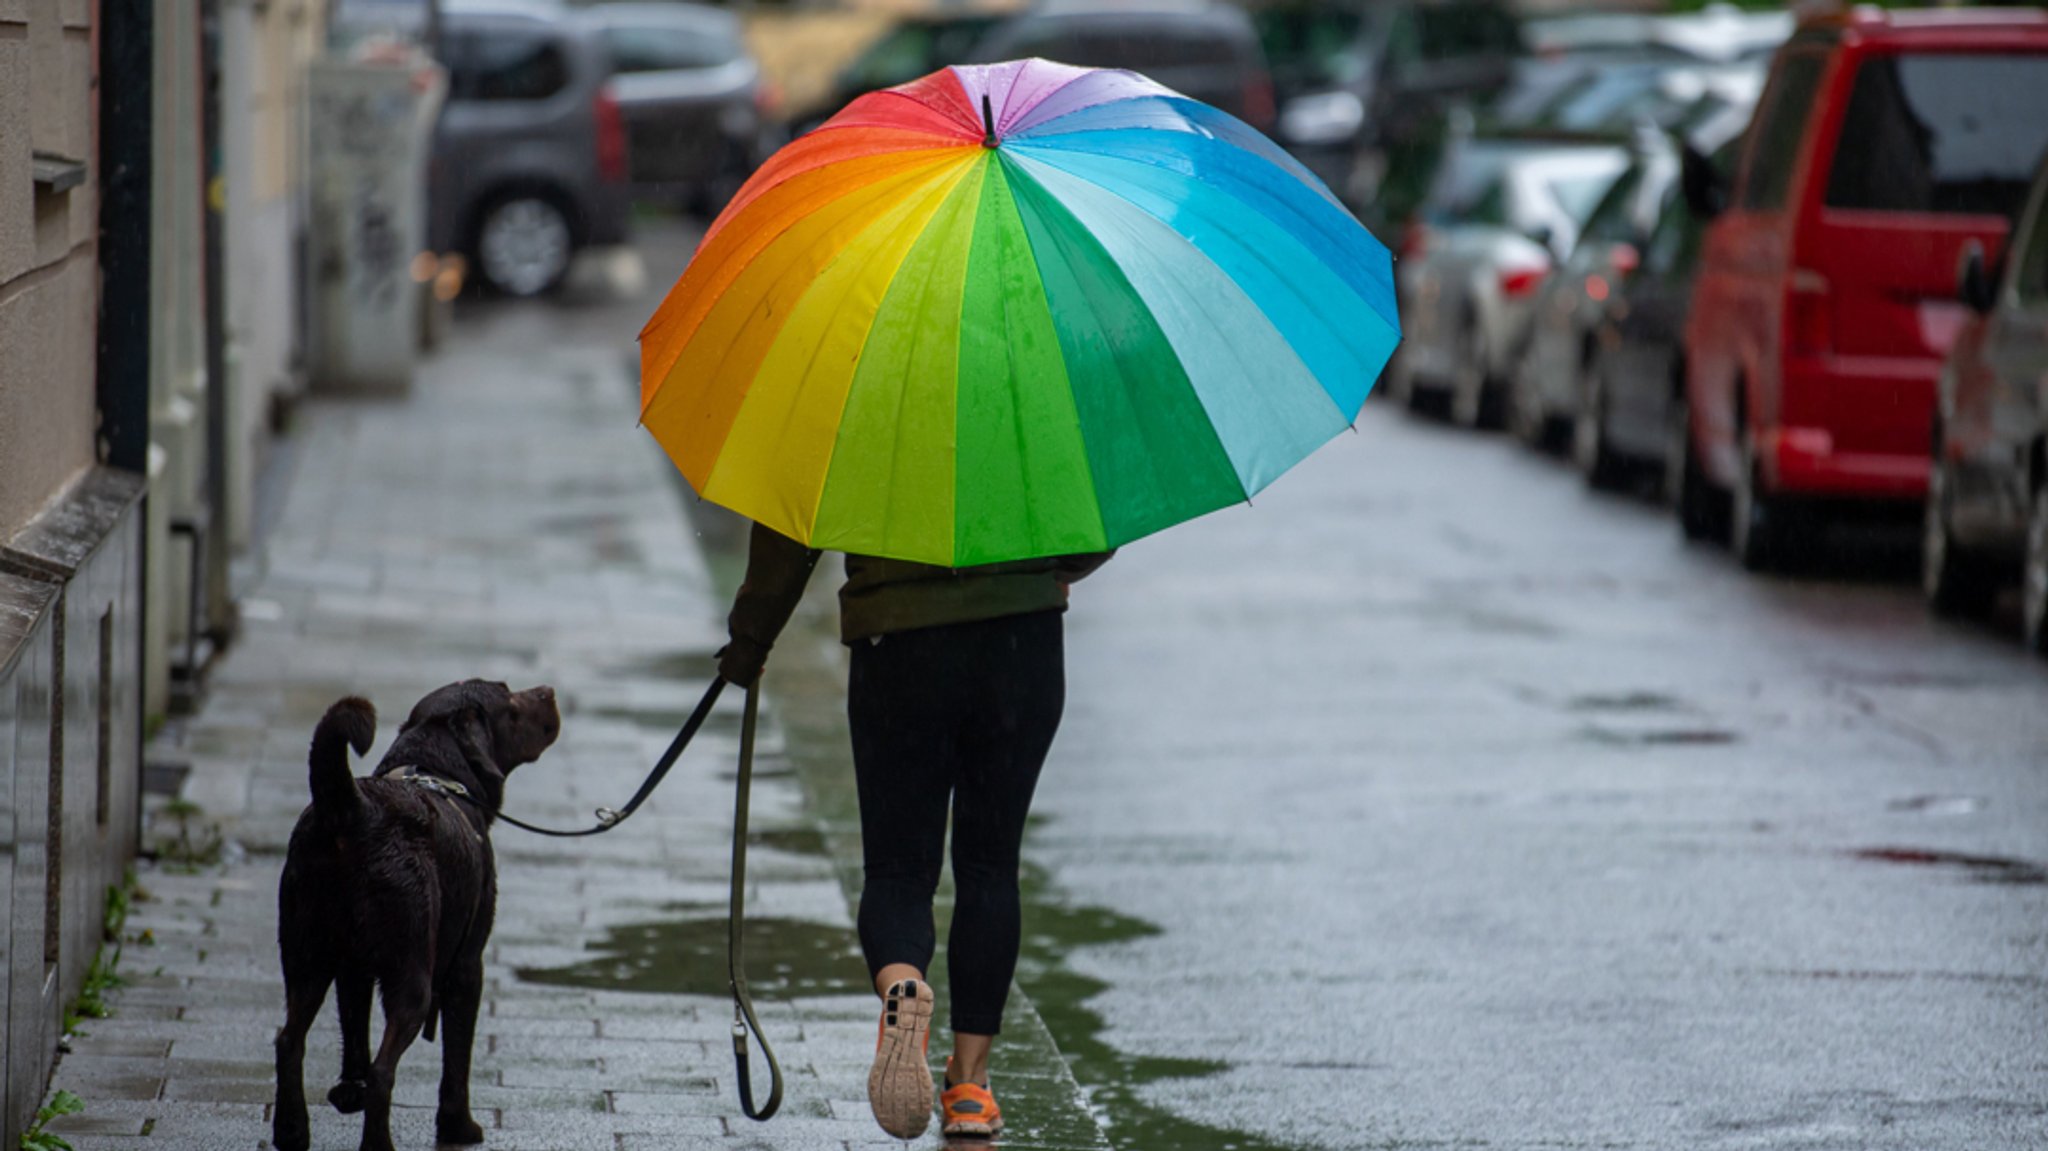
x,y
954,692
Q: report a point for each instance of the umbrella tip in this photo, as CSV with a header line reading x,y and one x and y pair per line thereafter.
x,y
988,123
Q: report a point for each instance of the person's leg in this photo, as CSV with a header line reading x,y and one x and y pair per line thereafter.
x,y
903,751
1023,692
903,765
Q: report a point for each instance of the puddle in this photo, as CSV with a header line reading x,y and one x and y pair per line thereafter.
x,y
1937,804
1996,869
786,959
794,840
694,666
666,719
1623,701
1115,1081
1657,737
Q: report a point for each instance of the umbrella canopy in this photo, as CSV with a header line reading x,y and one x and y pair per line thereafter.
x,y
1014,310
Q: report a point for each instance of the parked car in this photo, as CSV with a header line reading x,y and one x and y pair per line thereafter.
x,y
691,95
1627,413
1545,385
1825,299
530,158
1208,51
1503,212
1364,84
1987,493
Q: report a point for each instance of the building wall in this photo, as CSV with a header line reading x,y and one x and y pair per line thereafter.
x,y
48,283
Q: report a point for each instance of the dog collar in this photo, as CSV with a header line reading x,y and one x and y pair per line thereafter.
x,y
433,783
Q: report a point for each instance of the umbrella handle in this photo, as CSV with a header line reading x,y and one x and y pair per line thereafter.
x,y
988,123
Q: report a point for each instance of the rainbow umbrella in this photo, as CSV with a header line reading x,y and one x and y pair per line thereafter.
x,y
1014,310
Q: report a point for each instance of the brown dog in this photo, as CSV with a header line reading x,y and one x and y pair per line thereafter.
x,y
390,884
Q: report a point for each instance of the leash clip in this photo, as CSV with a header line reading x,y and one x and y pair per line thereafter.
x,y
606,817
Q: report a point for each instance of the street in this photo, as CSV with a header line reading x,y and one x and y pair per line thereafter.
x,y
1436,801
1471,808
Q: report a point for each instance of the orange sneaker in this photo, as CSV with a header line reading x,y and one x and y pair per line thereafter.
x,y
970,1111
900,1082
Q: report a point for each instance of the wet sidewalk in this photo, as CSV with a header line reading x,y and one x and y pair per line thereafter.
x,y
506,520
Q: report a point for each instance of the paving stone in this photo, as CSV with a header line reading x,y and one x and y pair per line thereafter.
x,y
504,520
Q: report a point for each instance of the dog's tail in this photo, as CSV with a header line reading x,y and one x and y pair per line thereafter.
x,y
349,723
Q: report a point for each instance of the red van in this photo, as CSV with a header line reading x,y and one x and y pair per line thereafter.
x,y
1884,143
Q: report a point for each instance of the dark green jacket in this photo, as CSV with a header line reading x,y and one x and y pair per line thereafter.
x,y
883,595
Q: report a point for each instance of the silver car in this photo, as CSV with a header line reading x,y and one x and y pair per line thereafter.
x,y
530,157
1986,515
691,95
1502,214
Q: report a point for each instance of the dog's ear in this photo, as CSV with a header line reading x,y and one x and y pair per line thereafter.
x,y
473,735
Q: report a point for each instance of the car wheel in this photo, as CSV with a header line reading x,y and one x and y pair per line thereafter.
x,y
1400,380
1590,452
2034,587
1468,389
1953,581
1526,419
1685,482
1758,531
524,245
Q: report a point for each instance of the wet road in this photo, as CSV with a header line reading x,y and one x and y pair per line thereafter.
x,y
1473,809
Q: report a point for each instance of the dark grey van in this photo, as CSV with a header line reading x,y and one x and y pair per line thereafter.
x,y
1208,51
530,160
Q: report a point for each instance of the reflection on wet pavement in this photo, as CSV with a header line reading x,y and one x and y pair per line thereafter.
x,y
786,958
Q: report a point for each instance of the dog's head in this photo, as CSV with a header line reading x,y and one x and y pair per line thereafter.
x,y
512,727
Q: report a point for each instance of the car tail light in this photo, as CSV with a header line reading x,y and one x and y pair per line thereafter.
x,y
1625,258
1808,329
1414,240
611,136
1259,108
1518,282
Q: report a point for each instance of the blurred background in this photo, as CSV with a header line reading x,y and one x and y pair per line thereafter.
x,y
1726,278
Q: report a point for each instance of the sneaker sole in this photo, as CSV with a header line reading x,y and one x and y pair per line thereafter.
x,y
900,1082
973,1130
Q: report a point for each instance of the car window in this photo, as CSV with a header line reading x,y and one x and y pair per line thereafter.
x,y
1491,206
1142,49
1453,31
2031,278
653,48
1674,242
911,50
504,64
1952,133
1577,194
1612,220
1780,126
1312,45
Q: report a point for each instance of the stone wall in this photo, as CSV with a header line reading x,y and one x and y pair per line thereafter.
x,y
48,286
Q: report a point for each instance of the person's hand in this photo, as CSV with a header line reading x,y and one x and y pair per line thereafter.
x,y
740,662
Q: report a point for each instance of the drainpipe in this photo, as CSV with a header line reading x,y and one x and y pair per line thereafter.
x,y
217,615
125,29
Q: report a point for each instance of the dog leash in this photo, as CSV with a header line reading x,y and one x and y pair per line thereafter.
x,y
743,1019
606,817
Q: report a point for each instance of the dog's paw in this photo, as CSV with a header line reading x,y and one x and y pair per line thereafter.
x,y
457,1129
349,1096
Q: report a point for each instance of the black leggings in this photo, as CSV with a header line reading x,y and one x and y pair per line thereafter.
x,y
959,716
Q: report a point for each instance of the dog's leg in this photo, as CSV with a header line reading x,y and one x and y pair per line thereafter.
x,y
460,998
405,1010
352,994
303,999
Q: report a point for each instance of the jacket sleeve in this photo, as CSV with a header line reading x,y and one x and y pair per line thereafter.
x,y
1074,568
777,570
